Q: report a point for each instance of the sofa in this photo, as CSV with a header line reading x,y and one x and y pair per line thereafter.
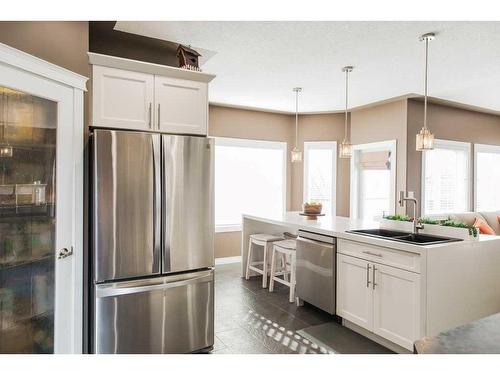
x,y
490,217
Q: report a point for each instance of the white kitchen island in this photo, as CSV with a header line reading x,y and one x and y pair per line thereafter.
x,y
395,292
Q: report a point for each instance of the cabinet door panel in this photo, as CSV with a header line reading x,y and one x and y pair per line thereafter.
x,y
354,292
122,99
396,300
181,106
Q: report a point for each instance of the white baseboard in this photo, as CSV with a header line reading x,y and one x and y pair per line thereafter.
x,y
228,260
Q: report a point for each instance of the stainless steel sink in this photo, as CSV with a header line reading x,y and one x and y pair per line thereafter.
x,y
394,235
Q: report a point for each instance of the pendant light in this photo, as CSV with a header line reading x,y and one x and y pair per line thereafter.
x,y
345,150
296,153
425,139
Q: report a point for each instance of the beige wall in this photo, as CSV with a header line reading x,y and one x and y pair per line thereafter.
x,y
446,123
241,123
248,124
321,127
64,43
382,123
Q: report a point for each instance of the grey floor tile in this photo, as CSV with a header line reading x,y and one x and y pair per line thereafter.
x,y
238,341
342,340
250,319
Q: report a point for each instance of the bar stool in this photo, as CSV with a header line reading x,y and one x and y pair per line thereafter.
x,y
264,240
287,249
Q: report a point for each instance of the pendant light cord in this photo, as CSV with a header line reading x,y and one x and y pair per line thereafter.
x,y
425,82
346,98
296,117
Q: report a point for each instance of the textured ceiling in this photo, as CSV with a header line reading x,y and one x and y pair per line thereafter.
x,y
258,63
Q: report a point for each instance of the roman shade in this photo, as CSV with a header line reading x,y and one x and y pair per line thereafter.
x,y
379,160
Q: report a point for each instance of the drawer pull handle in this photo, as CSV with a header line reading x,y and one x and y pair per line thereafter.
x,y
374,254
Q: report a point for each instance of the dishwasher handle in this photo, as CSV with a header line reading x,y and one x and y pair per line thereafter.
x,y
316,237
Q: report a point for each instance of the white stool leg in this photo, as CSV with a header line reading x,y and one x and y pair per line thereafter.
x,y
264,266
249,259
293,267
273,270
283,261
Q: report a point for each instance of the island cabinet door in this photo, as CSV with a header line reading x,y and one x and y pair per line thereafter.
x,y
396,305
354,291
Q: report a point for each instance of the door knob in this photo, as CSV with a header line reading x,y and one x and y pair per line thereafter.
x,y
65,252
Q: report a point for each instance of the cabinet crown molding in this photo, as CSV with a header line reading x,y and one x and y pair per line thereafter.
x,y
24,61
145,67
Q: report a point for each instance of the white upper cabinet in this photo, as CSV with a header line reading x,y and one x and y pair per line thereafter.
x,y
122,98
129,94
181,105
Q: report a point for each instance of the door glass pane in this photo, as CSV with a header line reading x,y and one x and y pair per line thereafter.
x,y
27,222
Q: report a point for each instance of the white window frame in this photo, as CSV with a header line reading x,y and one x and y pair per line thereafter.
x,y
450,145
391,146
321,145
478,147
252,143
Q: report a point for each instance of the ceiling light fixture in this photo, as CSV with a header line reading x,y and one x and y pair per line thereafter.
x,y
425,139
345,150
296,153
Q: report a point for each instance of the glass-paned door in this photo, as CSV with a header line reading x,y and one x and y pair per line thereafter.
x,y
28,127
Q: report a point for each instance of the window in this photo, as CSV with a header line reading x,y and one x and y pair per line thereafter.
x,y
250,178
487,177
320,159
373,180
445,178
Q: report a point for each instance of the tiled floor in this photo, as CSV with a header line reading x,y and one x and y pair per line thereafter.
x,y
249,319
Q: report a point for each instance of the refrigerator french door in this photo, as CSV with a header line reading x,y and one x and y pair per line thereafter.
x,y
153,243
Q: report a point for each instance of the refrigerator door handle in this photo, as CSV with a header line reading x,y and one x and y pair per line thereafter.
x,y
117,289
156,204
165,213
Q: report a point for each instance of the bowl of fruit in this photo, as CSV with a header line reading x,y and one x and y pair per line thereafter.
x,y
312,209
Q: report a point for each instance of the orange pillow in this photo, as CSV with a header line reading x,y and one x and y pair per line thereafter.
x,y
498,217
483,226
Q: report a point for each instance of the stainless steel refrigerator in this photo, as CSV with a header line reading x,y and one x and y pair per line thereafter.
x,y
153,225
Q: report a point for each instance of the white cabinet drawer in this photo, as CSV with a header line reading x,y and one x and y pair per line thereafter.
x,y
382,255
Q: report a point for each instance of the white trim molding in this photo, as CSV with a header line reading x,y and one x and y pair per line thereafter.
x,y
24,61
146,67
389,145
481,148
227,260
321,145
449,145
253,143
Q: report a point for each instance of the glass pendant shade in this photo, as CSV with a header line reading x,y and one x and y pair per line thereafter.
x,y
5,151
425,140
296,155
345,149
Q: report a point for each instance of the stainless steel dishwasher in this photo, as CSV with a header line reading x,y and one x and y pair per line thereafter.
x,y
316,257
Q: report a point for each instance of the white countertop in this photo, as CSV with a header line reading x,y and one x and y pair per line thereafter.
x,y
337,226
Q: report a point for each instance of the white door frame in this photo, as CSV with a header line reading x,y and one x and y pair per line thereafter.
x,y
389,145
26,73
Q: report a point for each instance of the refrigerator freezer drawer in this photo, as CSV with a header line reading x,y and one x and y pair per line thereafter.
x,y
173,314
